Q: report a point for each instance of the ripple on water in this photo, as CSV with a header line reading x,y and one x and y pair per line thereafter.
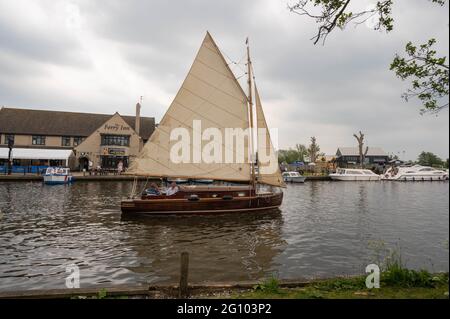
x,y
324,229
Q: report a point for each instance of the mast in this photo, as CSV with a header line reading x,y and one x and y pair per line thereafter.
x,y
250,106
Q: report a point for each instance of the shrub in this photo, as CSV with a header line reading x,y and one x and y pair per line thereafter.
x,y
270,285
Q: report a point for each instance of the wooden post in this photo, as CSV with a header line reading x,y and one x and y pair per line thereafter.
x,y
184,269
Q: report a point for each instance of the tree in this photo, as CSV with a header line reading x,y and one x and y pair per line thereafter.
x,y
302,152
287,156
429,159
429,74
362,154
446,163
313,150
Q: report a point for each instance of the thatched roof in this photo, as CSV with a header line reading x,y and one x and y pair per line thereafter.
x,y
39,122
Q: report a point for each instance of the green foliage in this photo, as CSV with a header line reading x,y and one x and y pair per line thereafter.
x,y
302,152
288,156
313,149
270,285
429,75
429,159
398,276
330,14
393,271
102,294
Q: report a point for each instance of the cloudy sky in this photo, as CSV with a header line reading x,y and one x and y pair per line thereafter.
x,y
100,56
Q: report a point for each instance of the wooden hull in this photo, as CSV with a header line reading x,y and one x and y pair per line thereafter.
x,y
202,205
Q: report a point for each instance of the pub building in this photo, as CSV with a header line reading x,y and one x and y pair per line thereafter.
x,y
77,140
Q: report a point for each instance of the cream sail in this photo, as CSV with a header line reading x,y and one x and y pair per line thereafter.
x,y
210,94
268,168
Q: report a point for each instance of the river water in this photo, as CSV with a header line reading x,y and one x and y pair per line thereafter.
x,y
323,229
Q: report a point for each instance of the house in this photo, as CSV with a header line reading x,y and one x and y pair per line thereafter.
x,y
349,156
94,139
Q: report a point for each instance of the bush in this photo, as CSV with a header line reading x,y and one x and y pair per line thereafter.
x,y
270,285
398,275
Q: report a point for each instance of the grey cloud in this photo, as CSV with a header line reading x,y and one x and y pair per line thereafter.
x,y
330,91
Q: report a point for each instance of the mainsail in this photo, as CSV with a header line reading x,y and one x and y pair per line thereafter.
x,y
268,168
210,94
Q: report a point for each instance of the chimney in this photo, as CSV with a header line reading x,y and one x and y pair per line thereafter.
x,y
137,124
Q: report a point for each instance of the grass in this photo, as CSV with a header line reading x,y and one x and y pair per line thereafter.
x,y
411,285
396,282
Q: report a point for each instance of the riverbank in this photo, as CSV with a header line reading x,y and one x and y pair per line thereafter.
x,y
99,178
82,178
334,288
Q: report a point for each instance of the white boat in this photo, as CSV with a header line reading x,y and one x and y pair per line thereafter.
x,y
57,175
293,177
415,173
347,174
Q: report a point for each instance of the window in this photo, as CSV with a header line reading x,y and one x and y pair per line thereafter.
x,y
65,141
7,137
77,140
119,140
38,140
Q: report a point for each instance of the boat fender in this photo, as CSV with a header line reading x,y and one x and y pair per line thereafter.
x,y
193,198
227,197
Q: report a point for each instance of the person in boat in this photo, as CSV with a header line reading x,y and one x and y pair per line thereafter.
x,y
173,189
153,190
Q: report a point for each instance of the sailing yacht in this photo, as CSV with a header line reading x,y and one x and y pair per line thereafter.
x,y
210,99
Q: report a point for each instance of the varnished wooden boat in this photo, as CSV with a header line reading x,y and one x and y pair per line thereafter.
x,y
210,97
204,200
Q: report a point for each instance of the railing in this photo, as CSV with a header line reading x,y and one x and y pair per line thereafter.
x,y
28,169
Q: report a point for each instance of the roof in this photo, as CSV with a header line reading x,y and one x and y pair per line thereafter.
x,y
56,123
36,153
354,151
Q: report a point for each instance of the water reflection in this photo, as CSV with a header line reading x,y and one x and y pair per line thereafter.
x,y
244,245
323,229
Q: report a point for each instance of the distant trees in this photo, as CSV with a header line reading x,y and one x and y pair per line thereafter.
x,y
300,153
313,150
362,152
430,159
288,156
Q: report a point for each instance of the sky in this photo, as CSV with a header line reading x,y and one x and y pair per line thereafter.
x,y
101,56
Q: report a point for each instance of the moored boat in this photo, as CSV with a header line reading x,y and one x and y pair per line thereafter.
x,y
347,174
57,175
414,173
210,98
293,177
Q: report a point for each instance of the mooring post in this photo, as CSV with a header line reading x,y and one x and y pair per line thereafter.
x,y
184,270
